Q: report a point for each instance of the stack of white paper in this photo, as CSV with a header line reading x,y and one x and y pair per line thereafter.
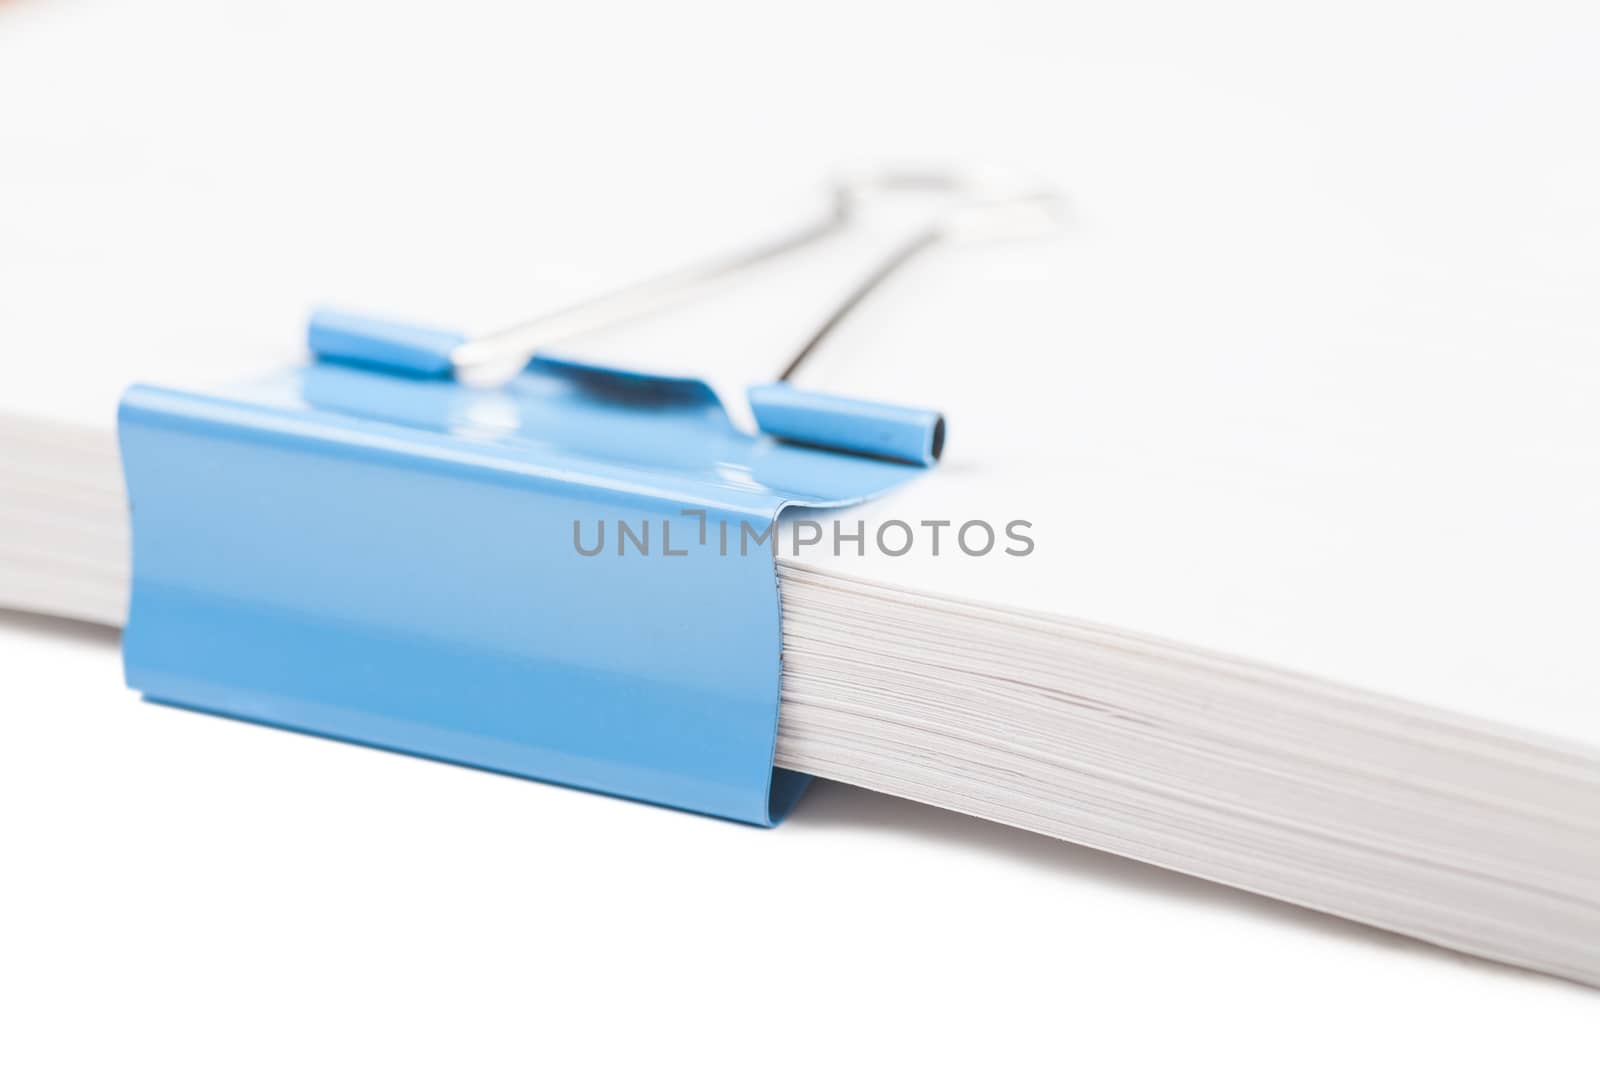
x,y
1300,414
63,521
1455,830
1458,830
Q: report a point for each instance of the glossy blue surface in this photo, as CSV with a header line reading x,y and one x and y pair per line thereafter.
x,y
827,420
348,337
392,561
801,416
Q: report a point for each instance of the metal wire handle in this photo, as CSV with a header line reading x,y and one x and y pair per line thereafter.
x,y
982,208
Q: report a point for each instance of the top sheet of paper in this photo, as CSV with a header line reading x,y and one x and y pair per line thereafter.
x,y
1312,381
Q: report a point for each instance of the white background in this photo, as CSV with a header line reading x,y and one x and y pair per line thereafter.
x,y
1280,216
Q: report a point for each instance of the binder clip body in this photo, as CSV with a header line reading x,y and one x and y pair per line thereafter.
x,y
375,548
571,578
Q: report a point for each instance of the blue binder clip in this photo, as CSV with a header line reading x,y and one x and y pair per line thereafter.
x,y
569,577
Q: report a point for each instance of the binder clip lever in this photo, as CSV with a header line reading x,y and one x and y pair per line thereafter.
x,y
973,209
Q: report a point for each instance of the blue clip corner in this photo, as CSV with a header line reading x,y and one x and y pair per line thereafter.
x,y
566,579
